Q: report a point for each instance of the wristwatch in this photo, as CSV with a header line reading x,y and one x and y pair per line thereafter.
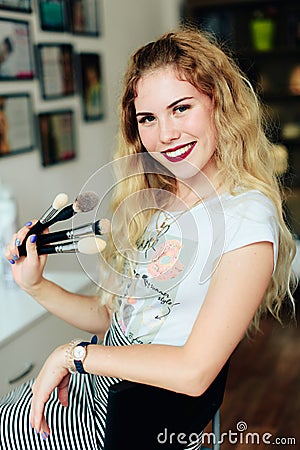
x,y
76,354
79,354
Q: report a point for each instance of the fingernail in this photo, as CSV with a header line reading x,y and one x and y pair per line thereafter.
x,y
15,257
27,224
44,435
33,238
11,261
17,242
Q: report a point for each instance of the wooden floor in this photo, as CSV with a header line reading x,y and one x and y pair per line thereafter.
x,y
263,390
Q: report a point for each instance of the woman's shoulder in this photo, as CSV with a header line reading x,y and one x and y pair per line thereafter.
x,y
247,203
249,217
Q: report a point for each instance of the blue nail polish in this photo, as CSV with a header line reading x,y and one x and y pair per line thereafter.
x,y
33,238
27,224
17,242
11,261
15,257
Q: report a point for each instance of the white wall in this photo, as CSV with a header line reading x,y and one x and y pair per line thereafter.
x,y
125,25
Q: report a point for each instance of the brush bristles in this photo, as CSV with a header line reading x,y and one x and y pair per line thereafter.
x,y
60,201
86,202
104,226
91,245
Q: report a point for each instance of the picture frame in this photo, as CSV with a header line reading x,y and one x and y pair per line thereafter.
x,y
16,127
53,15
91,86
24,6
56,136
16,56
56,70
84,17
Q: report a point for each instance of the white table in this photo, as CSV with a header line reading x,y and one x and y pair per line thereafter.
x,y
28,333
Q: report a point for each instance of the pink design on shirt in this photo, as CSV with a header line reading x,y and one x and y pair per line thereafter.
x,y
164,262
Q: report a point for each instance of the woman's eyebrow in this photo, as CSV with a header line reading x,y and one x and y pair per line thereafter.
x,y
145,113
178,101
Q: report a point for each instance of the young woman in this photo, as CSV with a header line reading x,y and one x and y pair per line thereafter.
x,y
198,251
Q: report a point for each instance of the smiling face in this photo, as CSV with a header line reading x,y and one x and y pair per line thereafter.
x,y
175,124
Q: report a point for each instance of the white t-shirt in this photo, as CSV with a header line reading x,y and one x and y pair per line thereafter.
x,y
173,272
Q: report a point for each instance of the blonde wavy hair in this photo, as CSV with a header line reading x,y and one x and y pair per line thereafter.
x,y
244,155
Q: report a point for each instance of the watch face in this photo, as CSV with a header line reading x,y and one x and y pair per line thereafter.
x,y
79,352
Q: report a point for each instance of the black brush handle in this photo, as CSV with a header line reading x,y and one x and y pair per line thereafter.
x,y
37,228
49,238
71,247
66,213
63,235
47,250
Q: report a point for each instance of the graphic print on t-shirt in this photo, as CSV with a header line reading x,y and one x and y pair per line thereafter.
x,y
157,275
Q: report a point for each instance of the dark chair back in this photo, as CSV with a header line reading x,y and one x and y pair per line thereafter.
x,y
142,417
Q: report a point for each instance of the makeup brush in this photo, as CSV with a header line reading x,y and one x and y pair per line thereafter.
x,y
84,202
98,228
89,246
59,202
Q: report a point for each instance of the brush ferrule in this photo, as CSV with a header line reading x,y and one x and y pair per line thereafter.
x,y
48,215
80,231
66,248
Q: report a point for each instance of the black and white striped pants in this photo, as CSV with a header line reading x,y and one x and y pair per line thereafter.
x,y
80,426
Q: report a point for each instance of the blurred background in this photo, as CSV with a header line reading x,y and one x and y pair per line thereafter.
x,y
61,67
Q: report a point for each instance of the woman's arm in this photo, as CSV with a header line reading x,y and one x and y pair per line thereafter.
x,y
84,312
236,290
81,311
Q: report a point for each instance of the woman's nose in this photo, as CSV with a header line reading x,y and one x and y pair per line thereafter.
x,y
168,131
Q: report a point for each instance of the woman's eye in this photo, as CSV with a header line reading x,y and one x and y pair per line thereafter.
x,y
181,108
146,119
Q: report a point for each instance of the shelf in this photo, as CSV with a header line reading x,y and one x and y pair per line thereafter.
x,y
282,52
280,97
236,3
290,142
233,21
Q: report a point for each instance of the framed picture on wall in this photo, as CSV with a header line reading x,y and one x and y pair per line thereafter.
x,y
91,86
56,70
16,58
84,17
17,5
16,128
53,15
56,136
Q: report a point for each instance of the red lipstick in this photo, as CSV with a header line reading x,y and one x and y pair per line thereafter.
x,y
179,157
